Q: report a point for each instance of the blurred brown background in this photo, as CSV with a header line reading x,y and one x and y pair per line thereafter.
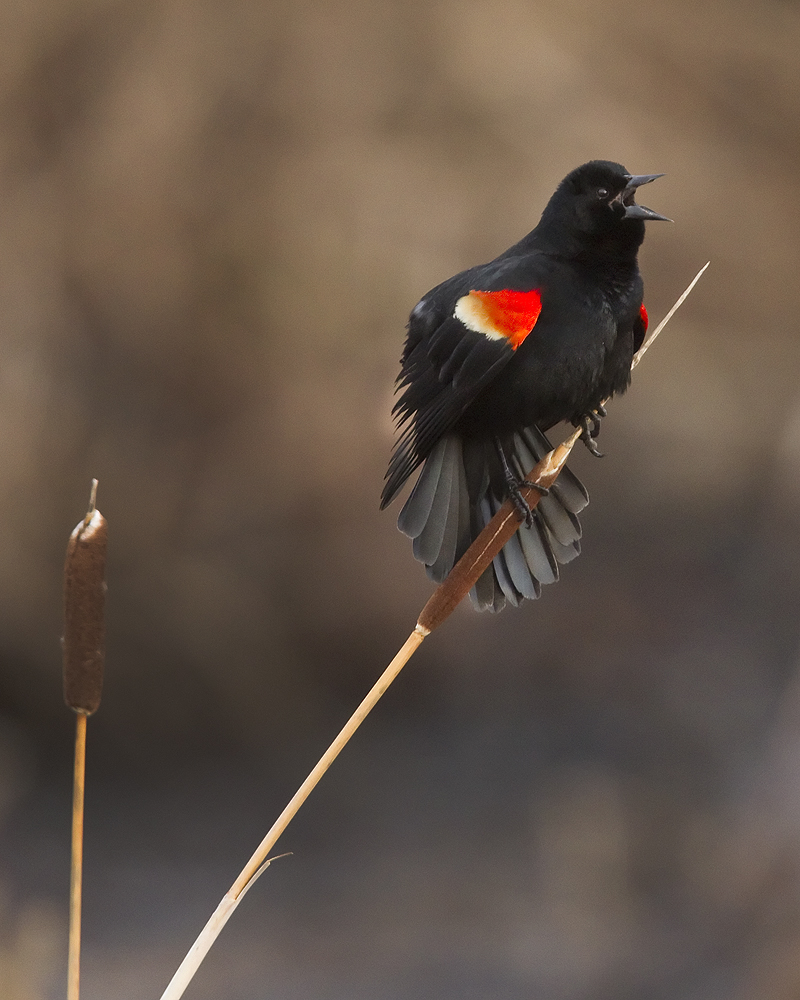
x,y
214,220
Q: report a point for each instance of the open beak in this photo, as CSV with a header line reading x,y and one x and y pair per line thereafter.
x,y
632,210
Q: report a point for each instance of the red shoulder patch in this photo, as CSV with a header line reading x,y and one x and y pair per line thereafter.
x,y
643,317
504,315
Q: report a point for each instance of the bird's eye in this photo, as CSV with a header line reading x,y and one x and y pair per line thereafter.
x,y
602,193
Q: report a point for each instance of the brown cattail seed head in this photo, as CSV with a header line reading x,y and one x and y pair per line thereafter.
x,y
84,619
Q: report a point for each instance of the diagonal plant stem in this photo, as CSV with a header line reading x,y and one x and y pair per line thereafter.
x,y
442,603
444,600
679,302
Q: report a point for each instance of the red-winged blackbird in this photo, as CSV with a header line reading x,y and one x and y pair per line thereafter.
x,y
500,353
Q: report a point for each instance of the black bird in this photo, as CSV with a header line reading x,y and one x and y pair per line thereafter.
x,y
497,355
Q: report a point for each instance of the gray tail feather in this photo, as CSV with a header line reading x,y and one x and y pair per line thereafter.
x,y
443,518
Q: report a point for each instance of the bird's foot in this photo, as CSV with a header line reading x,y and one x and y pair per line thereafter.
x,y
543,491
590,423
521,505
515,485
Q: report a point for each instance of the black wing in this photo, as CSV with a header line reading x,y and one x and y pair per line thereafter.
x,y
445,364
444,367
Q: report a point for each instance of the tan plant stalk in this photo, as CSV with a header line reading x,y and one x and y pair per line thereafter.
x,y
76,861
441,604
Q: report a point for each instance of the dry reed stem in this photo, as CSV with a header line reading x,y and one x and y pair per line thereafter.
x,y
681,299
76,866
444,600
252,869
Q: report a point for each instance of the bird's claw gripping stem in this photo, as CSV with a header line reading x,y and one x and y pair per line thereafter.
x,y
522,506
514,485
590,423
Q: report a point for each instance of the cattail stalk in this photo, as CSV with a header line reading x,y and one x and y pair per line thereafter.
x,y
442,603
83,648
76,866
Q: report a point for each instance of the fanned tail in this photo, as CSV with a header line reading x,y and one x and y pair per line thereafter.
x,y
454,499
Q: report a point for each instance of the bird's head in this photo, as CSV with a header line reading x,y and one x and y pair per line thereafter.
x,y
597,200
